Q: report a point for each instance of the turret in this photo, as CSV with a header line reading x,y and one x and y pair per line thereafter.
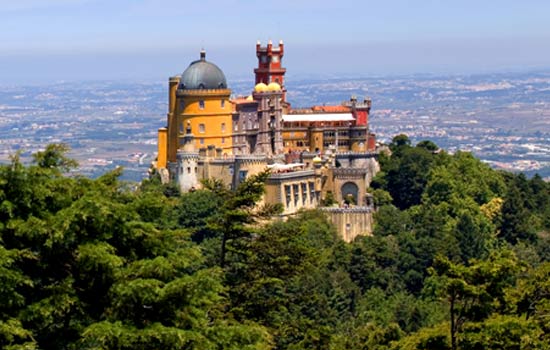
x,y
270,69
187,162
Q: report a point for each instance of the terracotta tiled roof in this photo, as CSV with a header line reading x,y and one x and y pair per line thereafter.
x,y
241,100
321,109
331,109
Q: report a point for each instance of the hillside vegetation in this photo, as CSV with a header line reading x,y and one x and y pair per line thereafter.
x,y
459,259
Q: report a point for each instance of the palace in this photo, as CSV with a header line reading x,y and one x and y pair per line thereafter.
x,y
314,153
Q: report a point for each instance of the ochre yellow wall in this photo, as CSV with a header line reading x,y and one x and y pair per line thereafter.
x,y
212,116
162,148
275,193
291,139
316,140
356,147
172,133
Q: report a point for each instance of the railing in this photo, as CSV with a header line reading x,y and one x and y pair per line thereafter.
x,y
352,209
291,174
199,92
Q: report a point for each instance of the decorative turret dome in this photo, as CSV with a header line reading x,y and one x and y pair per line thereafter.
x,y
202,74
273,87
317,160
260,87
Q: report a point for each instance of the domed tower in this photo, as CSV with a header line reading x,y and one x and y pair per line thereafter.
x,y
199,100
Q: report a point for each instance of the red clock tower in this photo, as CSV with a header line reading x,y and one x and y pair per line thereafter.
x,y
270,69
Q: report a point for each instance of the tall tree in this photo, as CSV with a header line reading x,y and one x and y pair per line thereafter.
x,y
473,293
238,213
516,225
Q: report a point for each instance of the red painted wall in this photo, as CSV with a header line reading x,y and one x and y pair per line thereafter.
x,y
361,117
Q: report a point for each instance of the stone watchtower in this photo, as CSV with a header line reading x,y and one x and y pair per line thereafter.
x,y
270,118
187,163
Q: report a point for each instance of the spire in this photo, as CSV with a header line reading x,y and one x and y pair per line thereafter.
x,y
203,55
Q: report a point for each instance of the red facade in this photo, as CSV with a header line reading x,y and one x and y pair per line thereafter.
x,y
361,117
270,68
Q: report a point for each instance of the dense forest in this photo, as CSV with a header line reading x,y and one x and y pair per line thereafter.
x,y
459,259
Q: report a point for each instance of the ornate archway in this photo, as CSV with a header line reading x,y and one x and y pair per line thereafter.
x,y
350,193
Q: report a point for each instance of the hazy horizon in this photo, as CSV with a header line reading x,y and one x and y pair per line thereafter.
x,y
73,40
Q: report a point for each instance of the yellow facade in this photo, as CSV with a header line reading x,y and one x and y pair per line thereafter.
x,y
208,113
172,133
294,191
312,139
162,157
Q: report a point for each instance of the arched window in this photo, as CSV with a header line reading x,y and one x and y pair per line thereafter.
x,y
350,193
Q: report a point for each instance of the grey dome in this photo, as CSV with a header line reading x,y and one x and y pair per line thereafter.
x,y
203,75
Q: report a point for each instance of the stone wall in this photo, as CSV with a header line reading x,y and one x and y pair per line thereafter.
x,y
351,222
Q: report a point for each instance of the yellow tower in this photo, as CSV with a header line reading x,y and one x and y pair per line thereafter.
x,y
203,105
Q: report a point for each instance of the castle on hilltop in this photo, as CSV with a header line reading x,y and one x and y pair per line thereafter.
x,y
314,153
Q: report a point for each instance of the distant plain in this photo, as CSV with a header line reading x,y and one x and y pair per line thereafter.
x,y
502,118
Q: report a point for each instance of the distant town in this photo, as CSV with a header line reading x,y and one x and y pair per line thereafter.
x,y
504,119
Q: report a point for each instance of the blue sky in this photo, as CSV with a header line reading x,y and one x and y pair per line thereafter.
x,y
42,40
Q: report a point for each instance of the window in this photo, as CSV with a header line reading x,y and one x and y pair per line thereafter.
x,y
236,126
343,143
242,175
223,103
288,195
296,192
201,141
304,192
202,128
201,104
223,139
311,191
188,170
223,127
